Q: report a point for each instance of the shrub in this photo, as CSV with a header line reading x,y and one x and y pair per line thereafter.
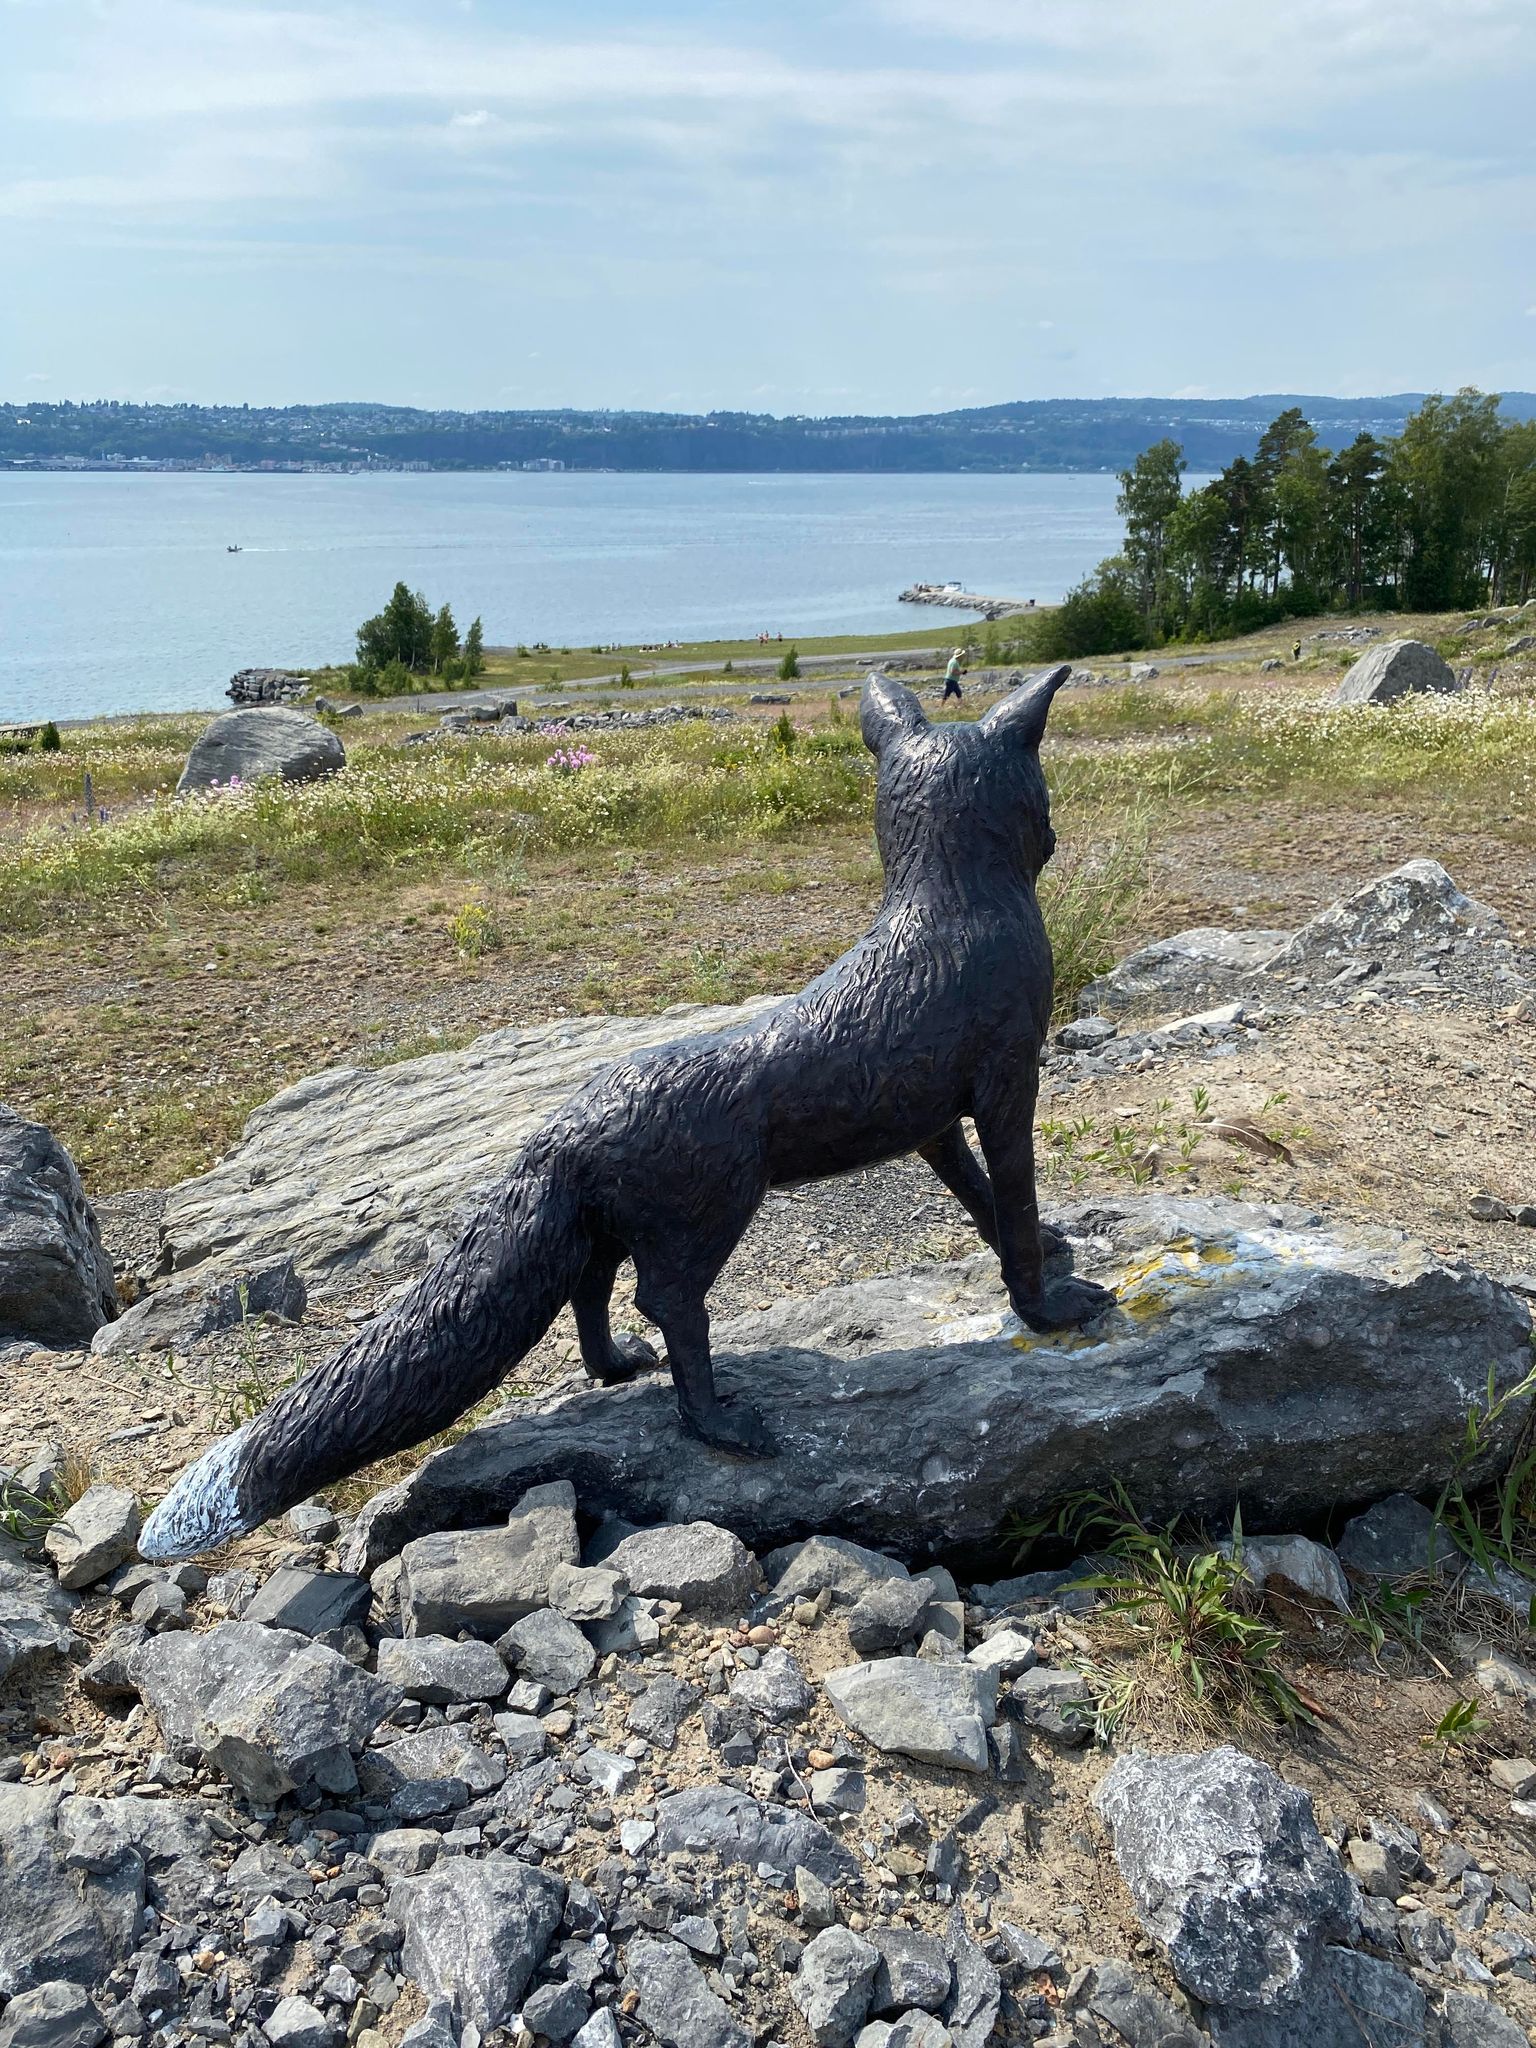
x,y
1100,615
789,667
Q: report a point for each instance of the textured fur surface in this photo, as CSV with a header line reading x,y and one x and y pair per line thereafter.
x,y
938,1013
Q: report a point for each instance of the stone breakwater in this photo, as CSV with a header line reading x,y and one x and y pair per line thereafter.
x,y
960,600
266,686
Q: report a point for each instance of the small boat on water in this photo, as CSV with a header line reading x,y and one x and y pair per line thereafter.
x,y
234,549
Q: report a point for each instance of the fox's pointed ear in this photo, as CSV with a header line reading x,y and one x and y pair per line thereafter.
x,y
888,711
1022,715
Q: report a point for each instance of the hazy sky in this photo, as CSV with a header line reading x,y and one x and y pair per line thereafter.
x,y
881,205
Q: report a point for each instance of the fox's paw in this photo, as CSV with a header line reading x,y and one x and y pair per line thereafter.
x,y
1065,1305
733,1426
627,1356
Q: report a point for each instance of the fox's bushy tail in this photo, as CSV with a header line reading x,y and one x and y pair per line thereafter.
x,y
407,1374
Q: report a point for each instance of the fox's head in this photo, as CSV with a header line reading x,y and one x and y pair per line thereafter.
x,y
967,795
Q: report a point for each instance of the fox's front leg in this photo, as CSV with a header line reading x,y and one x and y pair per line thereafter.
x,y
1004,1108
961,1171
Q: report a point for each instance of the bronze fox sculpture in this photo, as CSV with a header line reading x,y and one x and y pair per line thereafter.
x,y
938,1013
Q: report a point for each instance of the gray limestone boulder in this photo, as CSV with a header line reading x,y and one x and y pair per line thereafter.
x,y
483,1580
1393,669
170,1838
675,2004
1413,910
1008,1652
55,1277
592,1592
549,1650
849,1571
271,1710
714,1820
58,1921
245,746
971,2009
1472,2021
1255,1355
442,1673
1392,1539
296,2022
706,1569
109,1674
1137,2010
430,1772
660,1711
777,1689
185,1311
310,1603
56,2015
835,1984
914,1971
1228,1872
476,1932
635,1626
1053,1702
34,1612
1300,1564
94,1536
889,1613
935,1713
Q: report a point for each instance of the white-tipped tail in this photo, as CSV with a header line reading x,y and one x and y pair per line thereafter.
x,y
201,1510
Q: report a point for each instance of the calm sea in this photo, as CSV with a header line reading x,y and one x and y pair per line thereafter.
x,y
117,593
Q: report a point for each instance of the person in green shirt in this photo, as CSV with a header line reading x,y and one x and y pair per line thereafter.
x,y
952,677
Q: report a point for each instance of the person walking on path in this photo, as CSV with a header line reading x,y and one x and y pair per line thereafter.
x,y
952,678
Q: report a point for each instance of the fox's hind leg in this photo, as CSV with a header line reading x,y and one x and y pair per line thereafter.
x,y
672,1281
964,1175
608,1359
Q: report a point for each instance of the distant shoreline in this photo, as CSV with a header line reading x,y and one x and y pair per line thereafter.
x,y
1027,437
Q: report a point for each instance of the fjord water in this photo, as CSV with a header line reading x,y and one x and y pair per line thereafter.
x,y
117,592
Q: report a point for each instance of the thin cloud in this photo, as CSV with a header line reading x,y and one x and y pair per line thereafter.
x,y
859,201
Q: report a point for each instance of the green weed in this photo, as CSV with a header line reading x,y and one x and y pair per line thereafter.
x,y
1188,1610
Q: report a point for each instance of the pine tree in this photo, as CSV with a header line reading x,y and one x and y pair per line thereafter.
x,y
474,649
1149,497
401,632
445,641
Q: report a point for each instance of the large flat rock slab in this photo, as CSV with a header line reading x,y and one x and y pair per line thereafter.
x,y
1254,1357
354,1172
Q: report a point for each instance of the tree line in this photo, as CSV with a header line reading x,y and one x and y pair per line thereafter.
x,y
1439,517
408,644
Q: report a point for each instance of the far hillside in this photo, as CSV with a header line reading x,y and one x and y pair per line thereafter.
x,y
1035,434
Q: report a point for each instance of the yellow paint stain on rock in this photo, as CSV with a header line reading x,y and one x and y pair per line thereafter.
x,y
1145,1289
1149,1287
